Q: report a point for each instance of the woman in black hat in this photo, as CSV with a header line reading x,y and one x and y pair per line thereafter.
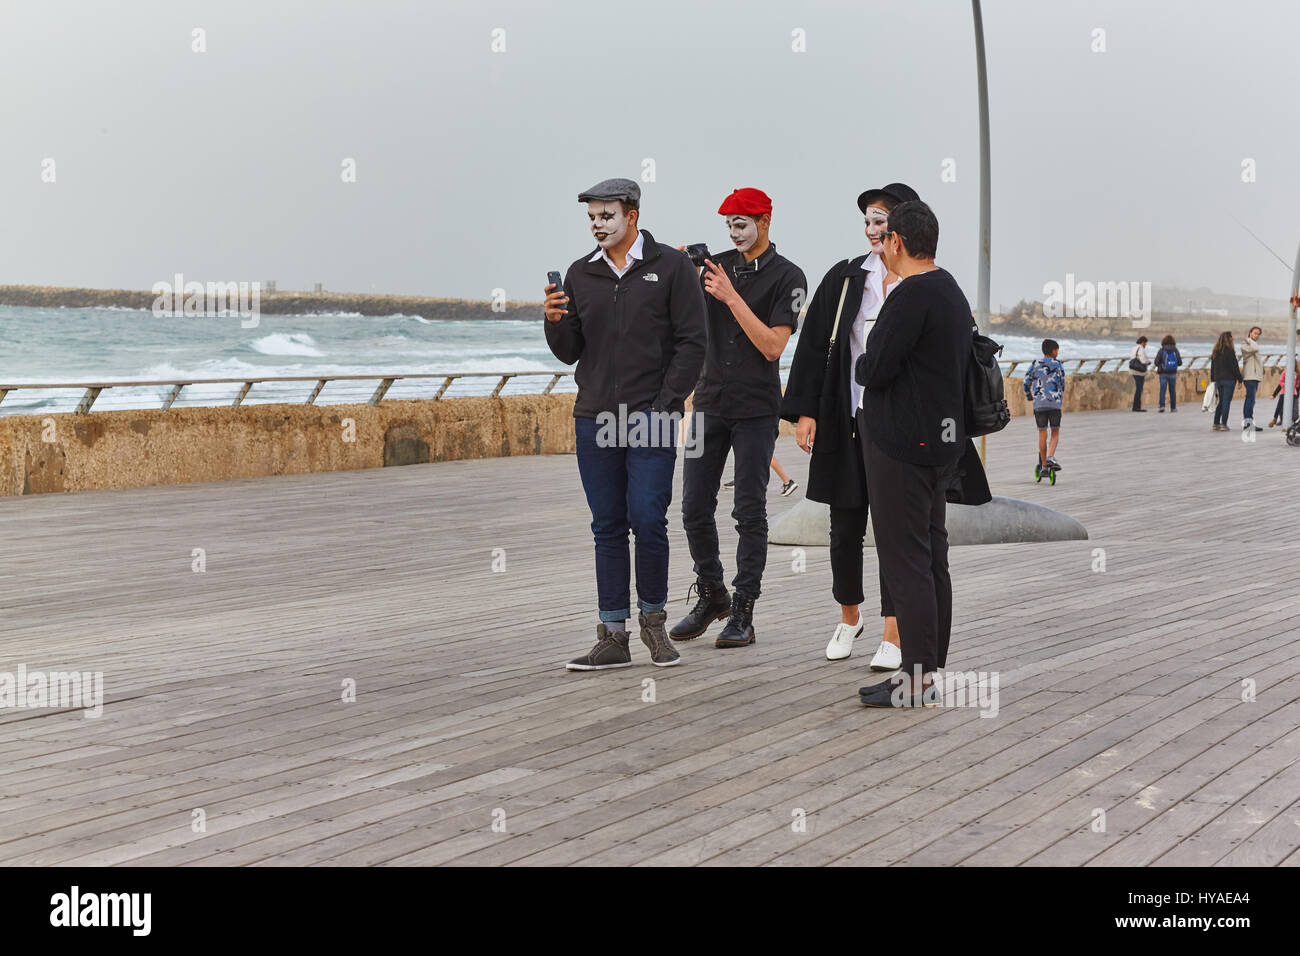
x,y
821,398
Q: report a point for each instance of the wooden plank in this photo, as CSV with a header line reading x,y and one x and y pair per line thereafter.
x,y
1118,689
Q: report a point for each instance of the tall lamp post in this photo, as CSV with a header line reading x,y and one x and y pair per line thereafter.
x,y
1289,392
982,290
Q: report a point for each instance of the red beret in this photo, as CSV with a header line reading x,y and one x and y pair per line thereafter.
x,y
746,202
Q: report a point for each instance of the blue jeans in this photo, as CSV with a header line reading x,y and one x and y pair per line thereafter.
x,y
1221,410
627,489
1248,406
752,440
1169,381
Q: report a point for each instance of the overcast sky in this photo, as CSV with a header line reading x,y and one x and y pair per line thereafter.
x,y
1120,165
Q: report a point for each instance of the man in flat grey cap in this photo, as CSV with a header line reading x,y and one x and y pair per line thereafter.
x,y
631,314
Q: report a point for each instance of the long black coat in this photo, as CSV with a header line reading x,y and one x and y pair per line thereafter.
x,y
821,391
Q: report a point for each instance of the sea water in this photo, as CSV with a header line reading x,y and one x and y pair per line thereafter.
x,y
77,346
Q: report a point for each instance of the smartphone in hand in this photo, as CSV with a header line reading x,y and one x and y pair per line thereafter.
x,y
554,278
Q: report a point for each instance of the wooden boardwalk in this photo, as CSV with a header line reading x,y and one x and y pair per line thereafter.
x,y
1120,690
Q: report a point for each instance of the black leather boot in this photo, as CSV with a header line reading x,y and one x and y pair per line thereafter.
x,y
740,623
714,604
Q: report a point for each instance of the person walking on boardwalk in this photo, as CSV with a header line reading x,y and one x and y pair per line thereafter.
x,y
1168,359
1225,373
1138,364
1252,373
821,399
753,296
912,426
631,314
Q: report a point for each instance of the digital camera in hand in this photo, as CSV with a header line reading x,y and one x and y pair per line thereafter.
x,y
698,251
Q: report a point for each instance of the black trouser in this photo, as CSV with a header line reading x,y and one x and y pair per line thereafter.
x,y
752,440
848,529
1137,391
908,511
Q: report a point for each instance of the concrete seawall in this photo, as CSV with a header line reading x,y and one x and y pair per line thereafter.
x,y
129,449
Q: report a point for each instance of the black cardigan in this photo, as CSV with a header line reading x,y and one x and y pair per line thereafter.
x,y
821,392
913,371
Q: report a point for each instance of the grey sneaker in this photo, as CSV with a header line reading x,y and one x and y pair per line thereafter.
x,y
611,651
653,636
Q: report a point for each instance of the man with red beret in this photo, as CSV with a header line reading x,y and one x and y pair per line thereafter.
x,y
754,296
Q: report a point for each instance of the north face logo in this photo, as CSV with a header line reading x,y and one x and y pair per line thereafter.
x,y
650,277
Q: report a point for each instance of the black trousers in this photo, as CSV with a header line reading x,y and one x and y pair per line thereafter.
x,y
908,513
848,533
752,440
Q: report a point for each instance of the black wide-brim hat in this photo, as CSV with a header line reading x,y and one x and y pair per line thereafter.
x,y
898,192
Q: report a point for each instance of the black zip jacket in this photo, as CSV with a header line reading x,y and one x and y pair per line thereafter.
x,y
1224,367
913,371
640,340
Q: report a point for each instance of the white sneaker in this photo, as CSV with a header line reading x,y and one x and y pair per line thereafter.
x,y
888,658
841,645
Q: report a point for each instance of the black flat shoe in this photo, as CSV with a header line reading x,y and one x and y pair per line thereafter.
x,y
888,694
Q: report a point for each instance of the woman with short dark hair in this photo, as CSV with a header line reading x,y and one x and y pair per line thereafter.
x,y
821,399
1225,373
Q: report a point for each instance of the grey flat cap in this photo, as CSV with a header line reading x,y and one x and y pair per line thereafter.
x,y
610,190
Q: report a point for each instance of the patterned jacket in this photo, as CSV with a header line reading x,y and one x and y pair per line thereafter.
x,y
1045,383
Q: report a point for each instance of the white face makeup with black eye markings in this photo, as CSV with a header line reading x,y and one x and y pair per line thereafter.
x,y
744,232
877,219
608,223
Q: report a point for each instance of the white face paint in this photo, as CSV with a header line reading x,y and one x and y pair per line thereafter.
x,y
608,223
877,219
744,232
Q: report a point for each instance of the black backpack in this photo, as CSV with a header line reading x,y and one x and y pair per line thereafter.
x,y
986,404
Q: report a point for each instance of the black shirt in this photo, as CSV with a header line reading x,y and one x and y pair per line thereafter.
x,y
738,381
913,371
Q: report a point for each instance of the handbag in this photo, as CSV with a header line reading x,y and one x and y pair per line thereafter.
x,y
835,328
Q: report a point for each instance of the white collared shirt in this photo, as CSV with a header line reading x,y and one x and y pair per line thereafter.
x,y
634,255
872,300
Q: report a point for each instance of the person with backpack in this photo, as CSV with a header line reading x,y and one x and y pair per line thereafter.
x,y
821,399
1225,373
912,418
1138,365
1044,385
1252,373
1168,360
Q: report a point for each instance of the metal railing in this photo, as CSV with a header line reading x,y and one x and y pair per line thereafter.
x,y
91,391
1091,366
